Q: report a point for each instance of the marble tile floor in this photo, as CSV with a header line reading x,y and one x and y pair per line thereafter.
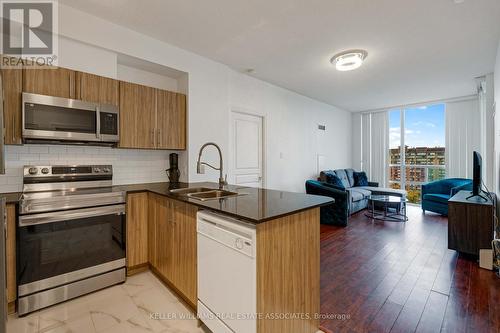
x,y
141,304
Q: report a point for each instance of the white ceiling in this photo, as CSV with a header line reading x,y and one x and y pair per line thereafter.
x,y
419,50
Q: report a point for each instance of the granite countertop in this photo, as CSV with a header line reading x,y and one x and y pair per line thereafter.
x,y
256,205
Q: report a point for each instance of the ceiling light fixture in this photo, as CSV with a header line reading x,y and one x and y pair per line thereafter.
x,y
349,60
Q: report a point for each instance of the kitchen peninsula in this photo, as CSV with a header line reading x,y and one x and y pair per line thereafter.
x,y
162,236
287,245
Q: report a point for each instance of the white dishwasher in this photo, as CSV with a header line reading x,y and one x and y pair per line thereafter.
x,y
227,281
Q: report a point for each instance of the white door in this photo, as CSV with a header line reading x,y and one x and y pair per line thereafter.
x,y
246,146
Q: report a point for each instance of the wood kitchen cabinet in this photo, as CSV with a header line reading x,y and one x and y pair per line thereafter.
x,y
97,89
137,116
10,250
12,80
172,244
158,232
153,218
171,120
184,271
137,232
164,239
59,82
160,235
151,118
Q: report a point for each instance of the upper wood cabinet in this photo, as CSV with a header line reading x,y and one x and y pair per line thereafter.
x,y
97,89
171,120
12,80
137,229
151,118
59,82
137,116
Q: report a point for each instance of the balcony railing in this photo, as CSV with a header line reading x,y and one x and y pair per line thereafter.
x,y
440,173
413,183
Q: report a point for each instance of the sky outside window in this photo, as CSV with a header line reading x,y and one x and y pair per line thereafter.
x,y
424,126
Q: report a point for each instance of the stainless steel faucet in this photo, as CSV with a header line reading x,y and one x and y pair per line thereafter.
x,y
201,170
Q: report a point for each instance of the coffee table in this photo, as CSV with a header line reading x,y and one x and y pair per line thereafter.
x,y
390,208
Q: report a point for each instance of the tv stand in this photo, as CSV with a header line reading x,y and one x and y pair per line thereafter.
x,y
470,223
479,195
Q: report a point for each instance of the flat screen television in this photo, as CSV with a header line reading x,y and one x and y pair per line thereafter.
x,y
476,176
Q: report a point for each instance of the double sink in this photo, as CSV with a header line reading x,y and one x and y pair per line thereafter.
x,y
205,193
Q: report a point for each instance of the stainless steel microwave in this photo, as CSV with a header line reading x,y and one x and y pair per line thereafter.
x,y
63,120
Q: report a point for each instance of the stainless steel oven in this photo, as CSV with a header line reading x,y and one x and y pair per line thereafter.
x,y
55,119
71,237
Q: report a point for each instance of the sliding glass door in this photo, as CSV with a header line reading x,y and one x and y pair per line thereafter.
x,y
417,148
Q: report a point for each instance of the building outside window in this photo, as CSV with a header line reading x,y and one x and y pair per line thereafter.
x,y
417,148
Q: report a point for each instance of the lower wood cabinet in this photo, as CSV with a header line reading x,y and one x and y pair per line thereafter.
x,y
10,249
184,261
159,233
172,244
137,230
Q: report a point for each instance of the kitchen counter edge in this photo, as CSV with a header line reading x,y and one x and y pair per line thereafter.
x,y
163,188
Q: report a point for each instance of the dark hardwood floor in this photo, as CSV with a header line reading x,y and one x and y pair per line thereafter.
x,y
396,277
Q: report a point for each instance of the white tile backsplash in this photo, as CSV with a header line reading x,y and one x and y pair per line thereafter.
x,y
130,166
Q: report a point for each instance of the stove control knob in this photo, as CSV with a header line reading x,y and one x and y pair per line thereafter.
x,y
106,170
33,171
97,170
45,171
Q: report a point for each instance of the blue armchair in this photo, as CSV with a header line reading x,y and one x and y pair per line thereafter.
x,y
335,213
435,195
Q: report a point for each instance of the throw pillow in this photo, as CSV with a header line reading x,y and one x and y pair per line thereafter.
x,y
334,180
360,179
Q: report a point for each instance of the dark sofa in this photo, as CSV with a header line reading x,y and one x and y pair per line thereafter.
x,y
349,198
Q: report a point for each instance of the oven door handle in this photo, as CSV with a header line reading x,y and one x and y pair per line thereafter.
x,y
27,220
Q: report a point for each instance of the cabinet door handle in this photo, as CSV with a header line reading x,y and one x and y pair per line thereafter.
x,y
153,137
159,138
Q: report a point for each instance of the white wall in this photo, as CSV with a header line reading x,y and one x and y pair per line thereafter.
x,y
291,131
91,44
86,58
131,74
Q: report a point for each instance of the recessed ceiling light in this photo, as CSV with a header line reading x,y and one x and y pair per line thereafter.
x,y
349,60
